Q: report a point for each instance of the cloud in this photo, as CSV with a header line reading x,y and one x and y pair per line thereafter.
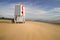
x,y
53,14
55,11
8,10
31,11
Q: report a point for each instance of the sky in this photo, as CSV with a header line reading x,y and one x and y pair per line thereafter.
x,y
34,9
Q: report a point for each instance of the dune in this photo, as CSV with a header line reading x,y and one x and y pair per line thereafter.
x,y
30,30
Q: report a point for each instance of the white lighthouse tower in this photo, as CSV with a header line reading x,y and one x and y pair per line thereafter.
x,y
19,13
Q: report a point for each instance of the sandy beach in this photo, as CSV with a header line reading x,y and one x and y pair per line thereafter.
x,y
29,30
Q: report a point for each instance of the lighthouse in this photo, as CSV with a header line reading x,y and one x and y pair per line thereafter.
x,y
19,15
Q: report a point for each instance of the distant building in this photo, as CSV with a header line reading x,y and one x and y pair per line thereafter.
x,y
19,13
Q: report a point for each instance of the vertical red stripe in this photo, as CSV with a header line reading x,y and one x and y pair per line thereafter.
x,y
22,11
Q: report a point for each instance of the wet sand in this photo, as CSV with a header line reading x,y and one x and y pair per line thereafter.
x,y
29,31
